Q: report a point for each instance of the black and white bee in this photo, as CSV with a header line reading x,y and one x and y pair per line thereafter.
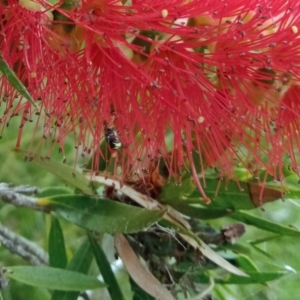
x,y
112,136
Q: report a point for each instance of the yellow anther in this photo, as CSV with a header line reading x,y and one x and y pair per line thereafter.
x,y
295,29
164,13
200,119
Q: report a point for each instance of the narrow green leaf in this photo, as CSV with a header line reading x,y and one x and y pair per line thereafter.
x,y
263,240
177,197
199,212
173,193
246,263
226,194
57,249
105,270
62,171
254,277
54,191
5,293
81,263
14,81
243,174
250,219
291,186
229,194
53,278
82,259
103,215
262,252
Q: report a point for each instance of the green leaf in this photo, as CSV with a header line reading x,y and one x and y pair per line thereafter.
x,y
14,81
226,193
81,263
229,194
199,211
263,239
254,277
82,259
243,174
103,215
62,171
105,270
237,248
57,250
53,278
54,191
262,252
173,193
291,186
5,293
250,219
246,263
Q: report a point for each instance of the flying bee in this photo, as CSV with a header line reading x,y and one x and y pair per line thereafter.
x,y
112,136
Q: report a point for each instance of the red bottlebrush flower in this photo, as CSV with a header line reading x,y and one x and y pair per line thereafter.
x,y
285,127
24,45
206,76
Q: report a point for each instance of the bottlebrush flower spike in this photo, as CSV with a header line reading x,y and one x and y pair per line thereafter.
x,y
286,132
25,32
209,76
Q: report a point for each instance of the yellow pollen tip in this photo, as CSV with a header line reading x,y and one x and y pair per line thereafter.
x,y
295,29
164,13
200,119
